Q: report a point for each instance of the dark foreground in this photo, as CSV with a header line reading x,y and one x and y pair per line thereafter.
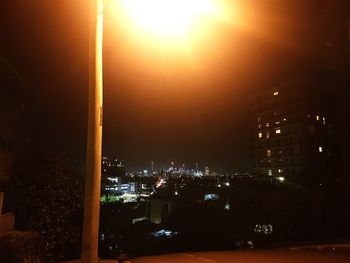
x,y
337,254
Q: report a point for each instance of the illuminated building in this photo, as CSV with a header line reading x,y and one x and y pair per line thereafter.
x,y
198,173
112,172
152,168
207,170
298,122
295,132
182,169
171,168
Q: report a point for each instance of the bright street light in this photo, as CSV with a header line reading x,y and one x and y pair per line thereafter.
x,y
164,17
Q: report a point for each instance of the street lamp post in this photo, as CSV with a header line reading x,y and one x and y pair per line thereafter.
x,y
89,252
155,11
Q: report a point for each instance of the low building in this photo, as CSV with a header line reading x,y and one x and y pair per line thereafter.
x,y
159,208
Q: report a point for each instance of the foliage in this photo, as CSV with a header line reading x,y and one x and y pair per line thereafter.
x,y
109,199
46,196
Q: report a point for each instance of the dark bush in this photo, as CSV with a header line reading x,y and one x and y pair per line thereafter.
x,y
17,246
46,195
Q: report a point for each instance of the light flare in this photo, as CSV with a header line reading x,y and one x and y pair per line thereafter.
x,y
166,17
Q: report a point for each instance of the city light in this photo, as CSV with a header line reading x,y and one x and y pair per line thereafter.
x,y
263,229
160,183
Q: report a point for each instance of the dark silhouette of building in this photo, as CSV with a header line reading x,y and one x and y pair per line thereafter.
x,y
11,114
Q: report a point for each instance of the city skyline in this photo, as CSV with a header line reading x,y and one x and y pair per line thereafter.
x,y
155,166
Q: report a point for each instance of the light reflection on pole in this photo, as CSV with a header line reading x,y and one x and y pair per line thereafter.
x,y
90,237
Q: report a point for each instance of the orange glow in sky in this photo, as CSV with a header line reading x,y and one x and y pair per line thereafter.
x,y
171,18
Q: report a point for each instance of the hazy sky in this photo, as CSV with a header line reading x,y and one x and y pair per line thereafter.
x,y
160,104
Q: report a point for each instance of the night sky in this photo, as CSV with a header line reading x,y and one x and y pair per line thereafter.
x,y
159,104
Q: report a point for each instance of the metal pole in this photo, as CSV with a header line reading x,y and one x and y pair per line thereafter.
x,y
90,238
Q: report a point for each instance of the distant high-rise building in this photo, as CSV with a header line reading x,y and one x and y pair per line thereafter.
x,y
152,167
182,169
207,170
295,132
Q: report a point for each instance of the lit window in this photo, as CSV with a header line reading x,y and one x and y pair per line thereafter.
x,y
258,119
260,135
317,117
268,153
269,172
320,149
267,135
259,126
281,179
275,93
280,171
284,119
267,124
324,120
278,122
278,131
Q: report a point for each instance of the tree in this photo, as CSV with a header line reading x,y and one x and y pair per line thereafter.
x,y
46,195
